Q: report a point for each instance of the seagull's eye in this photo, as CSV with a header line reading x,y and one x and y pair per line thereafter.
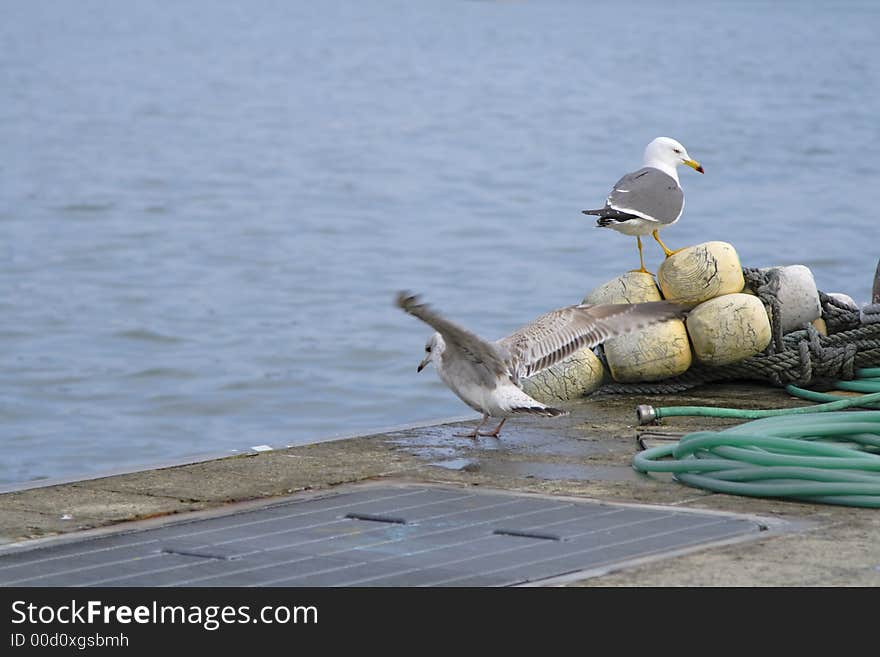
x,y
427,350
677,150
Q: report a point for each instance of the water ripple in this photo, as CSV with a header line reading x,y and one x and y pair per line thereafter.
x,y
147,335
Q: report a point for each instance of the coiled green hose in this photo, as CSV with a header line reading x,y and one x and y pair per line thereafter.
x,y
809,454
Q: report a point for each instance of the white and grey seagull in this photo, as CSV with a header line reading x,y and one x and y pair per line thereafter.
x,y
487,375
644,201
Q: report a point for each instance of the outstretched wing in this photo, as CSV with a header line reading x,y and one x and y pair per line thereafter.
x,y
472,346
558,334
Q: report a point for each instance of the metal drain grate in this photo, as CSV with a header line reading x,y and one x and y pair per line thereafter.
x,y
376,536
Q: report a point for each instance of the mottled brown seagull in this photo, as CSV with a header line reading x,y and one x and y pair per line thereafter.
x,y
487,375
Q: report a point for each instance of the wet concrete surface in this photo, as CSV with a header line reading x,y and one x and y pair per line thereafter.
x,y
586,454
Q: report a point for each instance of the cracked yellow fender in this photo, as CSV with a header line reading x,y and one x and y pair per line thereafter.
x,y
728,328
700,272
658,352
580,374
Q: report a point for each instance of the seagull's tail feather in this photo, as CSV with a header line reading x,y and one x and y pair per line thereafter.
x,y
610,216
603,220
515,401
545,411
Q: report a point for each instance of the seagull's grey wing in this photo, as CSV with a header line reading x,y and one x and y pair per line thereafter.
x,y
648,193
470,345
558,334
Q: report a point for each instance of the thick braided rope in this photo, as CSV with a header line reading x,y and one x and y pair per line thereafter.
x,y
765,285
871,314
838,316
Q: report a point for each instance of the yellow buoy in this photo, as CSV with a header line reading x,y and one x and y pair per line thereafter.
x,y
701,272
580,374
728,328
657,352
631,287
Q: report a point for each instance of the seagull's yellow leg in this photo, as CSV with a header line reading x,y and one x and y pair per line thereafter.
x,y
641,258
663,246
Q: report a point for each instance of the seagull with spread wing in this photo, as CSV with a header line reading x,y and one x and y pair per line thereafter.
x,y
486,375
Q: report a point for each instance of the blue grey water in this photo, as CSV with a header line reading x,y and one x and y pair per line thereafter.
x,y
206,207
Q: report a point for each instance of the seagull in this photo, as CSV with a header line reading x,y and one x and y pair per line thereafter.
x,y
649,199
486,375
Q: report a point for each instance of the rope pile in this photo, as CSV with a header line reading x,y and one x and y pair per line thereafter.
x,y
802,357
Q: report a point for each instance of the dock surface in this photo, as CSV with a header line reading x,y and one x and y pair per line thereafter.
x,y
580,461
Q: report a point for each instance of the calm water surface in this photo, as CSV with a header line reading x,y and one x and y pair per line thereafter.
x,y
206,207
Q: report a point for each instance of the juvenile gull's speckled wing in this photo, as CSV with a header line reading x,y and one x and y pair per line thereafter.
x,y
470,345
558,334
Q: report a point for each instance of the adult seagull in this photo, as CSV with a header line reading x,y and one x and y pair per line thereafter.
x,y
644,201
487,375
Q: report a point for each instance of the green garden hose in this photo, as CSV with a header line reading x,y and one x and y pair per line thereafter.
x,y
868,381
826,397
809,454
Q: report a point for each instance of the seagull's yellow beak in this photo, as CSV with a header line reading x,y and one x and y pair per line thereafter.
x,y
425,361
694,165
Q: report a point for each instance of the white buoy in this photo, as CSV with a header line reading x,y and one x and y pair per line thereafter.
x,y
728,328
699,273
657,352
845,299
797,296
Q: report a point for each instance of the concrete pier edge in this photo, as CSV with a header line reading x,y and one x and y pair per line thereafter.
x,y
585,455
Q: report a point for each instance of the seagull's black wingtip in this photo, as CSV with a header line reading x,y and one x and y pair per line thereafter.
x,y
406,300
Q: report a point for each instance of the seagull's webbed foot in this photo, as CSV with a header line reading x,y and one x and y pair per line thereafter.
x,y
476,432
495,432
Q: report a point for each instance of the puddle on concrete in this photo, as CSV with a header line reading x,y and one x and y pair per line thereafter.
x,y
558,471
562,446
468,465
429,453
440,447
441,444
516,439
